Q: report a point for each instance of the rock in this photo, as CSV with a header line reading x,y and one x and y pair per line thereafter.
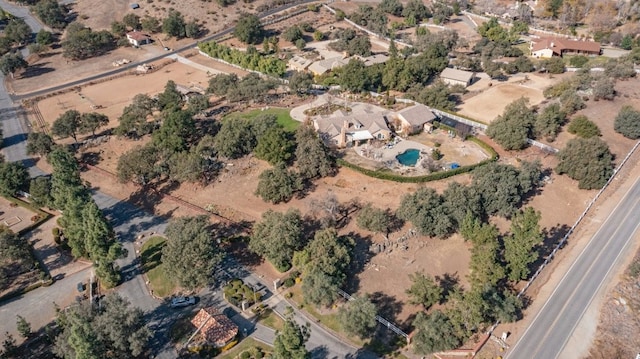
x,y
623,301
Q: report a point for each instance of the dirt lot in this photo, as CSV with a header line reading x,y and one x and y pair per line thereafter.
x,y
114,95
488,98
16,218
53,69
99,14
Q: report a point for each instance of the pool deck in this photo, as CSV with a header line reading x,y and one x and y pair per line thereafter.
x,y
388,155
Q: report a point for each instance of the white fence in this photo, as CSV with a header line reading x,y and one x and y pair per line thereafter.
x,y
379,319
578,221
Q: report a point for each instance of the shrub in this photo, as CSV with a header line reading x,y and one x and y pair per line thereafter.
x,y
56,232
581,126
289,282
627,122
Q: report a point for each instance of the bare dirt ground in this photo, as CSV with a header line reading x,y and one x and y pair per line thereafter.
x,y
114,95
480,103
53,69
618,331
99,14
16,218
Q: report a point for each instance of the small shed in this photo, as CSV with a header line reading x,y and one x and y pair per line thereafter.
x,y
457,77
137,38
135,5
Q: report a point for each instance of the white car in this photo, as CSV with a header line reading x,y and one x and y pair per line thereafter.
x,y
182,302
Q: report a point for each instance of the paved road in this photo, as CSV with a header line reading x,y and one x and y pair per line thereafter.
x,y
22,12
133,65
555,323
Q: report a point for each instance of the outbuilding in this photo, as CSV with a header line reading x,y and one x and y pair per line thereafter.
x,y
457,77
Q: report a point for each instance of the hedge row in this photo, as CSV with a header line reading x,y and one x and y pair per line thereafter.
x,y
389,176
250,59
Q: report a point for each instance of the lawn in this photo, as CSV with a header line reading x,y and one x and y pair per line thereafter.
x,y
271,319
283,117
151,259
244,345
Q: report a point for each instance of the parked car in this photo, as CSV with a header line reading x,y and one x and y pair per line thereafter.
x,y
178,302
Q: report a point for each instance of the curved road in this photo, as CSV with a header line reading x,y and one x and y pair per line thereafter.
x,y
129,221
552,327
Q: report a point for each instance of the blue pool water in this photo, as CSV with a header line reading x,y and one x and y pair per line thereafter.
x,y
409,157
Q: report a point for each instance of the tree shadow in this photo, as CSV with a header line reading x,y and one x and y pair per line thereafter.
x,y
239,249
448,282
551,238
361,256
388,306
321,352
36,70
91,157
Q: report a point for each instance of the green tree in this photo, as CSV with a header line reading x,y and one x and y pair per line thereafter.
x,y
503,187
462,201
190,254
114,327
514,126
293,33
424,290
198,103
548,122
24,328
359,316
176,133
578,61
485,265
140,165
40,191
426,211
235,138
393,7
275,146
118,29
134,121
51,13
520,247
174,25
150,24
9,347
587,160
44,37
627,122
186,166
435,332
278,184
170,98
13,176
290,341
627,42
353,76
132,21
604,89
90,122
192,29
554,65
249,29
300,82
375,219
416,10
82,43
319,288
327,253
583,127
17,31
67,125
12,62
277,236
312,156
39,143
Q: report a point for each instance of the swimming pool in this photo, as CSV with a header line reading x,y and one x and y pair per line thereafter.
x,y
409,157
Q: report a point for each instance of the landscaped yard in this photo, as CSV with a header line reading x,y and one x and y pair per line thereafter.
x,y
151,258
284,118
270,319
245,344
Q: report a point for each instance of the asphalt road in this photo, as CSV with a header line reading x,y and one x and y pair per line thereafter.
x,y
22,12
552,327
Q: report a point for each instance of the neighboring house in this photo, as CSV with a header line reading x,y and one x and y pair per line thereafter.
x,y
137,38
549,47
299,63
342,130
214,327
415,119
456,77
188,92
323,66
373,59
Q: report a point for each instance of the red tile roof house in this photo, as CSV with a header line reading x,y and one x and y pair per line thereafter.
x,y
215,328
138,38
549,47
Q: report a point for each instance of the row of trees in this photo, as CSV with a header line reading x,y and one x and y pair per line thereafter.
x,y
251,87
85,227
71,124
251,59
